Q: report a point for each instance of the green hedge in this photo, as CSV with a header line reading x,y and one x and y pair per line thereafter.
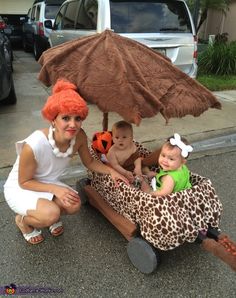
x,y
218,59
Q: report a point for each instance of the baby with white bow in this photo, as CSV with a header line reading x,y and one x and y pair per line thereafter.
x,y
173,175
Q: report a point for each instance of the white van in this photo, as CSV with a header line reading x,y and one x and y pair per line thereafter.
x,y
35,35
163,25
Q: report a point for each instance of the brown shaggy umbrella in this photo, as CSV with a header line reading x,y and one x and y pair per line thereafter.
x,y
123,76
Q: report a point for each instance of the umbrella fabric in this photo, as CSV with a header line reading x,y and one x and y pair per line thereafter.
x,y
121,75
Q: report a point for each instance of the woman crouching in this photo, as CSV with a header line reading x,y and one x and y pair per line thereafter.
x,y
33,189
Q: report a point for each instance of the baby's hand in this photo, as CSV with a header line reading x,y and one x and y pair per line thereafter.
x,y
137,173
145,187
151,174
129,175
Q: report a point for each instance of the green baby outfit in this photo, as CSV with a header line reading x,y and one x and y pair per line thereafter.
x,y
181,178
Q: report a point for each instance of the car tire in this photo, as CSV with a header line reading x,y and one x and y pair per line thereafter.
x,y
25,46
143,255
12,69
11,99
37,50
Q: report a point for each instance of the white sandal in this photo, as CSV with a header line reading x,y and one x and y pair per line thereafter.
x,y
54,227
29,236
34,233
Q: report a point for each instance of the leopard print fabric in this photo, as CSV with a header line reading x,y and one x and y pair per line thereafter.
x,y
165,221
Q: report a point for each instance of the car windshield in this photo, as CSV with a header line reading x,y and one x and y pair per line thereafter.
x,y
51,11
149,16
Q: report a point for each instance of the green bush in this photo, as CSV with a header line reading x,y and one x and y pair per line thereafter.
x,y
218,59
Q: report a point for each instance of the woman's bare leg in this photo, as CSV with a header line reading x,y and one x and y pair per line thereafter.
x,y
46,213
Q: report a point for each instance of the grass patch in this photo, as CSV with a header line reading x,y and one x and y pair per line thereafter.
x,y
217,83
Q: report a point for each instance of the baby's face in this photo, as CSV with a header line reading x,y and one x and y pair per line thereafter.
x,y
122,138
170,158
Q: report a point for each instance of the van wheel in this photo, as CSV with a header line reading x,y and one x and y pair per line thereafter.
x,y
11,99
37,50
143,255
25,46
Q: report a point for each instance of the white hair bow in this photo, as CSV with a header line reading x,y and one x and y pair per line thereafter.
x,y
185,149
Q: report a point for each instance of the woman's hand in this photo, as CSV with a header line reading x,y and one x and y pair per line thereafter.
x,y
117,176
66,195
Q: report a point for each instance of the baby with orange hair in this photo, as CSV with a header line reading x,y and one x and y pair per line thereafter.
x,y
33,189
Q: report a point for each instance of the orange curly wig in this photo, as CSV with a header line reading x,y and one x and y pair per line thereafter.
x,y
64,100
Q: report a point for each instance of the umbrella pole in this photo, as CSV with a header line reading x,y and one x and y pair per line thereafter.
x,y
105,122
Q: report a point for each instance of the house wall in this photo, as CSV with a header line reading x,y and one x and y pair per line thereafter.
x,y
230,22
218,22
15,7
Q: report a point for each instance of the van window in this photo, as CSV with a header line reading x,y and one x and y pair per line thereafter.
x,y
29,13
87,16
70,15
51,11
149,17
37,12
32,14
59,18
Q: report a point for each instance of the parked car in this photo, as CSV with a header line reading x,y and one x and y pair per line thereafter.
x,y
163,25
6,32
35,35
14,23
7,90
3,25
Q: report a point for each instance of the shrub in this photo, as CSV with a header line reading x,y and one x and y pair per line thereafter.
x,y
219,59
221,38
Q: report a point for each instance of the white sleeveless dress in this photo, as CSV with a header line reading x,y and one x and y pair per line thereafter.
x,y
49,170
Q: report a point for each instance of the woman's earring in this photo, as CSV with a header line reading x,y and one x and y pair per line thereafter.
x,y
53,128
